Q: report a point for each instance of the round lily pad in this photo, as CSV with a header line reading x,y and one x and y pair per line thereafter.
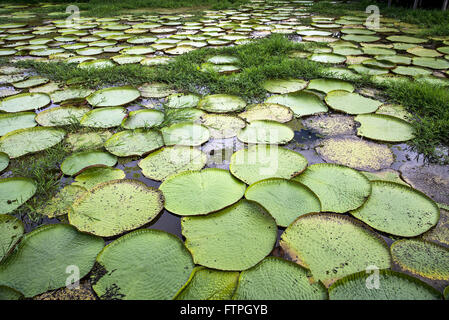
x,y
360,38
178,101
221,103
76,162
397,209
23,141
4,161
14,192
87,140
356,153
61,203
421,258
69,94
112,97
61,116
24,102
411,71
116,206
384,128
108,117
432,63
15,121
96,64
90,177
406,39
155,90
284,199
185,133
333,246
267,111
222,126
7,293
351,103
209,284
134,142
301,103
11,231
338,188
392,286
30,82
263,161
201,192
440,233
266,132
327,85
423,52
170,160
156,260
143,119
384,175
277,279
284,86
49,251
328,58
223,60
235,238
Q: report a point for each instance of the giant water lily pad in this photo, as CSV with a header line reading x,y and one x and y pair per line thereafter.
x,y
330,125
143,265
327,85
69,94
328,58
90,177
201,192
339,188
61,203
440,233
333,246
222,126
421,258
76,162
4,161
185,133
155,90
61,116
112,97
170,160
235,238
301,103
14,192
351,103
284,86
143,119
21,142
221,103
116,206
397,209
411,71
87,140
24,102
134,142
392,286
266,132
406,39
7,293
49,251
263,161
433,63
209,284
11,230
356,153
384,175
384,128
179,101
277,279
285,200
108,117
267,111
15,121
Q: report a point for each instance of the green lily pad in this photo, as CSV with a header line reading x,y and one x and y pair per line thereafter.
x,y
301,103
222,126
351,103
75,163
284,86
384,175
61,116
406,39
134,142
23,141
209,284
170,160
421,258
327,85
223,60
347,51
82,140
432,63
143,119
30,82
362,69
266,132
235,238
15,121
397,209
328,58
178,101
24,102
285,200
157,260
221,103
91,177
392,286
384,128
4,161
155,90
201,192
49,262
423,52
397,59
7,293
61,203
338,188
114,207
112,97
96,64
263,161
69,94
411,71
333,246
185,133
108,117
277,279
11,231
267,111
14,192
360,38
